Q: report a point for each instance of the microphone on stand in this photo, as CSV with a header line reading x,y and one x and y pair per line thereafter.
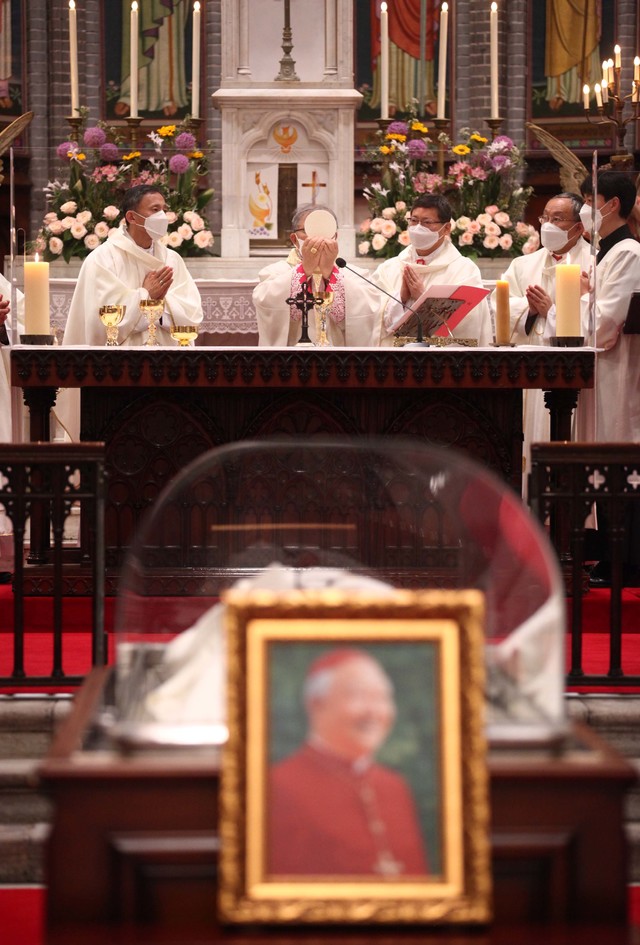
x,y
419,342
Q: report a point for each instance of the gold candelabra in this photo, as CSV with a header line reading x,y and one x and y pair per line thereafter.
x,y
611,104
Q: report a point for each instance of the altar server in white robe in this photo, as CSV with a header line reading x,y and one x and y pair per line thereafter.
x,y
532,293
130,266
610,412
353,317
430,259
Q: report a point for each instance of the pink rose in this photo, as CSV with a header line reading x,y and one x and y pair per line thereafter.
x,y
506,241
502,218
466,238
490,242
389,229
403,238
491,209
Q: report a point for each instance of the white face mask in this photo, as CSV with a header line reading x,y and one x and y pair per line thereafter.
x,y
156,224
423,238
587,217
553,237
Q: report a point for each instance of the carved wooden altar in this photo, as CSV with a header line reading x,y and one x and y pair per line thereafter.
x,y
156,410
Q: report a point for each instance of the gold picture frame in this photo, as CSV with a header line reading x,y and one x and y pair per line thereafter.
x,y
285,856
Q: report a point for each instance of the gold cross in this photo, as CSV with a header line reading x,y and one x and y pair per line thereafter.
x,y
315,185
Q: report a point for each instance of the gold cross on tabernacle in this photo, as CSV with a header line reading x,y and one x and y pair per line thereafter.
x,y
315,185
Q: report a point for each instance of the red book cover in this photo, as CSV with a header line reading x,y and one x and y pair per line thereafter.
x,y
440,306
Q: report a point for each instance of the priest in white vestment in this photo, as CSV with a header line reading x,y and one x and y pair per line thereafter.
x,y
353,316
532,293
130,266
431,259
611,411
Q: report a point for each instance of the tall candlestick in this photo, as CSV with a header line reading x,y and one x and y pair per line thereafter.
x,y
586,91
73,59
442,59
635,92
617,52
195,63
503,326
495,110
610,71
384,61
605,70
133,60
636,69
36,298
568,301
598,92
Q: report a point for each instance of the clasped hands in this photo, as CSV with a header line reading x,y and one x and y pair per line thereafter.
x,y
319,255
412,285
539,301
158,282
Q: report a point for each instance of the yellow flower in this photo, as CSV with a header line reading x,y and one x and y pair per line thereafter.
x,y
130,156
385,150
477,137
461,150
167,131
419,127
79,155
199,154
395,137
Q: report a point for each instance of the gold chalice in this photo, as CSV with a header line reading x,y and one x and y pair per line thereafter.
x,y
321,318
184,334
152,309
111,316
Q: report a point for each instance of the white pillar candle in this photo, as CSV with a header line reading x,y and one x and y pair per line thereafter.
x,y
133,60
195,63
503,326
495,109
598,92
73,59
442,59
586,91
36,298
605,70
610,71
617,52
636,69
384,61
568,301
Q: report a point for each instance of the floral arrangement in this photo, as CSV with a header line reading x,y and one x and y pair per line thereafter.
x,y
401,153
481,183
84,208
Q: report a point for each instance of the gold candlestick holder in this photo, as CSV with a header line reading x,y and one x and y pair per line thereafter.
x,y
611,112
75,121
442,128
495,124
134,132
383,124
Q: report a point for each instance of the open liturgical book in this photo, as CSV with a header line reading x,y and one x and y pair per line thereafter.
x,y
439,310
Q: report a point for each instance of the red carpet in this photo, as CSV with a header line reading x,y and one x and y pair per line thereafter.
x,y
22,914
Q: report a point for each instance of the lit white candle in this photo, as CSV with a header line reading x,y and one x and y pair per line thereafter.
x,y
503,326
36,298
636,69
598,92
586,92
384,61
605,91
494,60
133,60
442,59
617,52
195,63
73,59
610,71
605,70
568,301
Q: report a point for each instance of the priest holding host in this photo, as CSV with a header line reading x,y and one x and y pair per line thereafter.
x,y
353,313
430,260
333,810
532,293
131,266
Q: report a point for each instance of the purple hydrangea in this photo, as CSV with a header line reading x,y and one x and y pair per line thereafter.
x,y
178,164
500,162
64,148
416,149
109,151
501,143
397,128
185,141
94,137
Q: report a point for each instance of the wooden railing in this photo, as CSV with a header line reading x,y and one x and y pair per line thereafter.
x,y
42,485
566,480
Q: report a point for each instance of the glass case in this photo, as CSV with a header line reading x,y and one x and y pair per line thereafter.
x,y
370,514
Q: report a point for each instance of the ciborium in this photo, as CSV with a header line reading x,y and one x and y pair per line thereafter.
x,y
184,334
111,316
